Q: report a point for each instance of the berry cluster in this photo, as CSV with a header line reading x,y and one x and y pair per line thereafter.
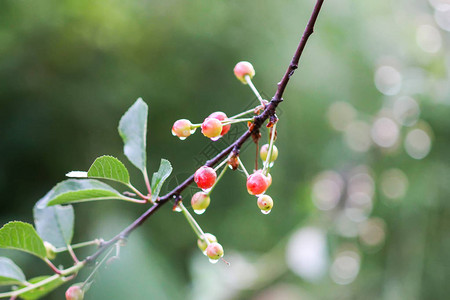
x,y
215,126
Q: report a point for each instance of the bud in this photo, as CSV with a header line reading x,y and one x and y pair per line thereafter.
x,y
50,250
243,68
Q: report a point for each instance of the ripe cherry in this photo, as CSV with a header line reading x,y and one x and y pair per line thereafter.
x,y
200,202
257,183
243,68
182,128
205,177
211,128
74,293
221,116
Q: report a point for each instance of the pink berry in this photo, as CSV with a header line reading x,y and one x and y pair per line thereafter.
x,y
214,251
265,203
269,180
221,116
200,201
243,68
182,128
74,293
257,183
211,128
205,177
265,151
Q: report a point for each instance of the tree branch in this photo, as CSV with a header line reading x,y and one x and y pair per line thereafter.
x,y
269,111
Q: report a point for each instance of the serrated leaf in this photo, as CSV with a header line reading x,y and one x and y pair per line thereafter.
x,y
22,236
42,290
133,130
165,169
10,273
82,190
54,224
108,167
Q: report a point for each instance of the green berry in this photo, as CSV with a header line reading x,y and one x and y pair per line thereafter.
x,y
202,244
265,151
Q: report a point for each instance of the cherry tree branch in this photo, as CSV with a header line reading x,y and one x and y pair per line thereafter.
x,y
268,112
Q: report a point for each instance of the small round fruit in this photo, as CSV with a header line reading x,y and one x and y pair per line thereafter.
x,y
182,128
200,201
265,203
50,250
243,68
269,180
205,177
74,293
221,116
257,183
214,251
265,151
202,244
211,128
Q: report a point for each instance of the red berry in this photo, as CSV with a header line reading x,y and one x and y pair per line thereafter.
x,y
205,177
200,201
221,116
214,251
269,180
265,203
257,183
182,128
74,293
243,68
211,127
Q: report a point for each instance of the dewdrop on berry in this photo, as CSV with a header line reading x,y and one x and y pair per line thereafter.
x,y
182,129
200,202
265,204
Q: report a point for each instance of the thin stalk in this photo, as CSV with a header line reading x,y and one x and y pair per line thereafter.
x,y
221,164
242,114
269,152
147,183
97,267
136,191
52,266
255,91
217,180
234,121
79,245
129,199
194,225
243,167
74,257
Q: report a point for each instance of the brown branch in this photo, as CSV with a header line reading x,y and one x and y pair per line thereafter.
x,y
269,111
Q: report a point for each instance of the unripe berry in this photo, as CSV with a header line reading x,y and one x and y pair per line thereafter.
x,y
265,203
200,201
74,293
50,250
221,116
265,151
211,128
257,183
214,251
243,68
205,177
202,244
182,128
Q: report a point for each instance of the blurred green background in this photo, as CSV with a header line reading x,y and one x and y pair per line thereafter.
x,y
361,185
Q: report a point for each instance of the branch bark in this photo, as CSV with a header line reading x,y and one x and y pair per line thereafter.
x,y
269,111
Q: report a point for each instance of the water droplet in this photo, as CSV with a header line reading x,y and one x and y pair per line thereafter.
x,y
213,261
182,138
271,164
266,212
206,190
199,211
216,138
204,252
193,130
173,133
177,209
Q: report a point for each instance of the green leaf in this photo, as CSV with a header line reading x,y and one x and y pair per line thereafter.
x,y
22,236
54,224
108,167
165,169
42,290
133,130
82,190
10,273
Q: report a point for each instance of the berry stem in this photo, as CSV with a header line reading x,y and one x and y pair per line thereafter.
x,y
74,257
234,121
243,167
194,225
97,242
269,153
221,164
52,266
217,180
242,114
255,91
